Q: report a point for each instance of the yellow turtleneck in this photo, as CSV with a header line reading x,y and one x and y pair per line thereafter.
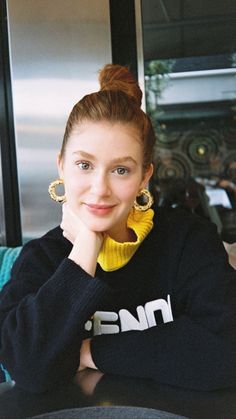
x,y
113,255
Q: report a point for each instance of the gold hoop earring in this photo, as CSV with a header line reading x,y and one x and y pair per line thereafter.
x,y
52,191
146,199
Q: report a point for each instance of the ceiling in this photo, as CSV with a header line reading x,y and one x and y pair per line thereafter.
x,y
188,28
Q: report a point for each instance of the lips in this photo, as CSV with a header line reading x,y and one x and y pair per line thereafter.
x,y
99,206
100,209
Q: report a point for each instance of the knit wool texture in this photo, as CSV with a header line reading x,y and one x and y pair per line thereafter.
x,y
114,255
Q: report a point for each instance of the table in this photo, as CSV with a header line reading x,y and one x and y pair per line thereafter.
x,y
91,388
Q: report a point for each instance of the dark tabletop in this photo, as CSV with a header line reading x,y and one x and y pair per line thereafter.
x,y
92,389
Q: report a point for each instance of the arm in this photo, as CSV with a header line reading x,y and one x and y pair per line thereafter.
x,y
86,243
198,349
86,360
225,183
43,310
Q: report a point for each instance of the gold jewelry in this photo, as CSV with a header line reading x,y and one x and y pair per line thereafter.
x,y
52,191
145,197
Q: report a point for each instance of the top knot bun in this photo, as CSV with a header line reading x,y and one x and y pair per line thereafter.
x,y
117,77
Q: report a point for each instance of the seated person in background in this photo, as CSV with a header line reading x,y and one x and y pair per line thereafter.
x,y
180,193
159,275
231,250
228,182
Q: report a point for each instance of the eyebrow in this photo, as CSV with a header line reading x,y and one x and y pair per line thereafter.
x,y
117,160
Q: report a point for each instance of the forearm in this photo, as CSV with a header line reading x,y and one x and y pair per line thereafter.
x,y
85,255
44,331
178,353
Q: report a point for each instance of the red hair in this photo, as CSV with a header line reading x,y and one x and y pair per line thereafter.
x,y
118,101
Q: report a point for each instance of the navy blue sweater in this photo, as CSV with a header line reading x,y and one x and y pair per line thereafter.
x,y
169,314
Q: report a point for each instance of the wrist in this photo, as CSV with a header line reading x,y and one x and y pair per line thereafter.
x,y
84,257
85,355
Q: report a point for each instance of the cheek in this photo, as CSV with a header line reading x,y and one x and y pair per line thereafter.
x,y
73,185
129,191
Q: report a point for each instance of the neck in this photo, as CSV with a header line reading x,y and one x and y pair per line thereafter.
x,y
118,249
122,234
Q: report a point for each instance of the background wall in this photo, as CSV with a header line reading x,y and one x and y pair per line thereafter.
x,y
56,50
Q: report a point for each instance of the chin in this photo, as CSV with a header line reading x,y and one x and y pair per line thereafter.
x,y
98,228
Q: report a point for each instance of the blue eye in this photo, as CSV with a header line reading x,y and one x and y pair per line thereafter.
x,y
121,170
83,165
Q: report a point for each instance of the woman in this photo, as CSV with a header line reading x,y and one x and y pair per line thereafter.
x,y
118,287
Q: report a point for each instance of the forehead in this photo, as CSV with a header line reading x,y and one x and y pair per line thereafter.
x,y
105,134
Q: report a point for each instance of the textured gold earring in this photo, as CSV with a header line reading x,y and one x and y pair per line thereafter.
x,y
146,200
52,191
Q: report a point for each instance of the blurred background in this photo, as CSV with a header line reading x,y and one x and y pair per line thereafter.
x,y
190,83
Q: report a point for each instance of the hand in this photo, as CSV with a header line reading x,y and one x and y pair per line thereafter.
x,y
71,224
86,360
86,243
88,380
224,183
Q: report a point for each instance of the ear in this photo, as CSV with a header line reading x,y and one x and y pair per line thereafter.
x,y
147,176
60,166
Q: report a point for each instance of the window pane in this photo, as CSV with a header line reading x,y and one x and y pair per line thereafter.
x,y
57,48
190,81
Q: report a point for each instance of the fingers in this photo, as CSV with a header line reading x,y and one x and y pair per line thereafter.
x,y
88,380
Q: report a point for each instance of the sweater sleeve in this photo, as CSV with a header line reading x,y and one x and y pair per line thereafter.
x,y
198,349
42,316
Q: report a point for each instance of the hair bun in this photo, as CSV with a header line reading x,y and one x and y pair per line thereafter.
x,y
117,77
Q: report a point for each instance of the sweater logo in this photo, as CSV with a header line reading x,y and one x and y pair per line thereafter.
x,y
105,322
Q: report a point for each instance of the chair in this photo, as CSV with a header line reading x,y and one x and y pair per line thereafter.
x,y
7,257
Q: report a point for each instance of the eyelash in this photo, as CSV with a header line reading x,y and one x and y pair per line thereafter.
x,y
81,165
125,171
85,166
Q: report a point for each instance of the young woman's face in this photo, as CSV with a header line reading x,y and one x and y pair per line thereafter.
x,y
102,172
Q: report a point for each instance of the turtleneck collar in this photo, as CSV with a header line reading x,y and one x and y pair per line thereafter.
x,y
114,255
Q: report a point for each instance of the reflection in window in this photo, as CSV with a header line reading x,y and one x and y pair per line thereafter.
x,y
190,82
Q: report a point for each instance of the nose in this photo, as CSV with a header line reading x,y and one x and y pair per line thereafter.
x,y
101,185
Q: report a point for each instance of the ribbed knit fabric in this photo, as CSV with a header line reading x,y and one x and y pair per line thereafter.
x,y
115,255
